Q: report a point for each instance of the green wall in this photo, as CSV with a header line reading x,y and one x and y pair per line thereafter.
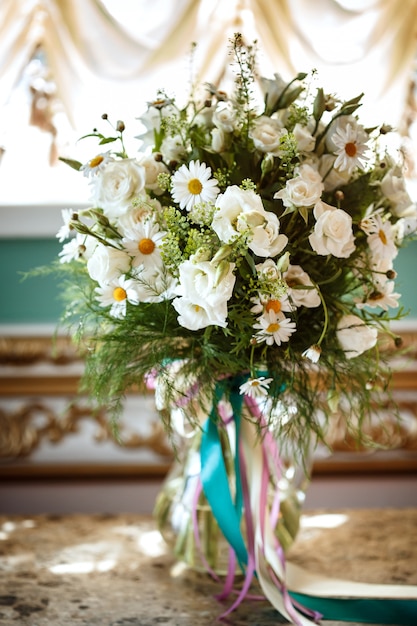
x,y
36,299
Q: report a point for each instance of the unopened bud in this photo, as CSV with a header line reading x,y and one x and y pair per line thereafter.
x,y
222,253
120,126
104,116
339,195
221,272
158,157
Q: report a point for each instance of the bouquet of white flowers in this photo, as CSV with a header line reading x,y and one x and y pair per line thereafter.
x,y
249,242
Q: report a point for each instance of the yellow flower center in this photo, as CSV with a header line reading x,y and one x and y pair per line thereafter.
x,y
96,161
350,149
273,305
376,295
272,328
194,186
197,308
254,383
119,294
382,237
146,246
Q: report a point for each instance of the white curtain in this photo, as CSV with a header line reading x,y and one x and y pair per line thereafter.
x,y
100,65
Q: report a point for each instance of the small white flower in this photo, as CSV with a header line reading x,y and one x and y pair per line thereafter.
x,y
255,387
351,147
96,164
193,185
65,230
78,248
305,140
354,336
274,328
295,278
312,353
382,297
380,237
117,294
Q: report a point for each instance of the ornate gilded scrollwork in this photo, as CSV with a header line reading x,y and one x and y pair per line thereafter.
x,y
23,430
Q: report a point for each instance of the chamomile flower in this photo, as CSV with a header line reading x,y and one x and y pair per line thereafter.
x,y
143,242
255,387
96,164
65,230
381,239
274,328
193,184
351,147
265,303
117,294
382,297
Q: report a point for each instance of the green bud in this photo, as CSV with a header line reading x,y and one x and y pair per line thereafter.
x,y
222,253
221,272
283,262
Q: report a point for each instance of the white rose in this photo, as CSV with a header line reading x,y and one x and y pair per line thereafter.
x,y
354,336
332,232
224,117
172,148
107,264
304,190
333,178
218,143
117,185
152,169
305,140
266,133
204,294
127,223
296,277
241,211
394,188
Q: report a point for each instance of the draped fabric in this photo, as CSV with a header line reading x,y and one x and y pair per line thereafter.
x,y
355,45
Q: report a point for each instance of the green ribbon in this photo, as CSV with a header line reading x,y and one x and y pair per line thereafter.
x,y
397,612
214,476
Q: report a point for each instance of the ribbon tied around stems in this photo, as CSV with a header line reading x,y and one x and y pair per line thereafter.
x,y
259,554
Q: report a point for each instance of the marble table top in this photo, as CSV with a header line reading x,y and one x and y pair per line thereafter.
x,y
114,570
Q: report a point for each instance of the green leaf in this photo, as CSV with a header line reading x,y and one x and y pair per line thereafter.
x,y
76,165
107,140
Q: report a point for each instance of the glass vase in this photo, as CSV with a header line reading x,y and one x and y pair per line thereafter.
x,y
184,516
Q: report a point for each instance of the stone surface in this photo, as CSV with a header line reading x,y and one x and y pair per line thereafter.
x,y
115,570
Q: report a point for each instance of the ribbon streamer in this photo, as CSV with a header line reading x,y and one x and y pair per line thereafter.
x,y
296,594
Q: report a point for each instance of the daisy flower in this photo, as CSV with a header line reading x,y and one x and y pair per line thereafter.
x,y
65,230
380,238
255,387
193,185
143,242
351,148
96,164
382,297
274,328
263,304
117,294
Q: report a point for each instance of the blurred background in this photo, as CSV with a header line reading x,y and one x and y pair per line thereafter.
x,y
63,63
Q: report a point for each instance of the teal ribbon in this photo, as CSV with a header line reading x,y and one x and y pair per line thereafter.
x,y
397,612
214,476
215,482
